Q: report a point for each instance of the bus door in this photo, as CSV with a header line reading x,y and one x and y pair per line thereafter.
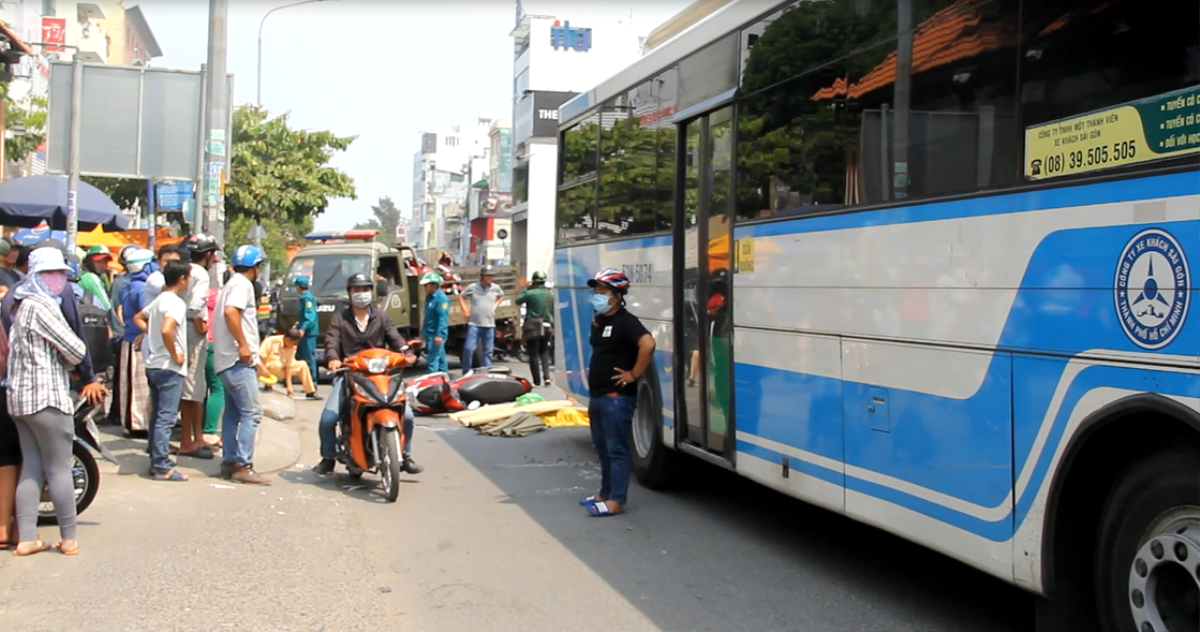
x,y
702,254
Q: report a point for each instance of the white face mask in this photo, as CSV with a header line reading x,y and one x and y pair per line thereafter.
x,y
361,299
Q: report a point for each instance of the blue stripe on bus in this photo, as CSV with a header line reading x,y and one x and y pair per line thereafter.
x,y
1100,193
799,465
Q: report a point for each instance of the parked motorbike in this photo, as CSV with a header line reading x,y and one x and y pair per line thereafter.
x,y
438,393
370,435
85,471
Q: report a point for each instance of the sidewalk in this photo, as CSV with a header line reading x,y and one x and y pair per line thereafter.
x,y
277,447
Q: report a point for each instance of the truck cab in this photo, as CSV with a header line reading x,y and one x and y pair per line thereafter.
x,y
333,257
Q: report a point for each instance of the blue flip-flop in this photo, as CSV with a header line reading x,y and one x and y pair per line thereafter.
x,y
590,500
601,510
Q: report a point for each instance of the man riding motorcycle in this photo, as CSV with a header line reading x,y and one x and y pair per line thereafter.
x,y
355,329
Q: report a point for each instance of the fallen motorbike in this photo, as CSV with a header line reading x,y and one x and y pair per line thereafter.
x,y
85,472
370,435
437,393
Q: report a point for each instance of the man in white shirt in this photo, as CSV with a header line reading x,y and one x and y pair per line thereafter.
x,y
235,359
166,365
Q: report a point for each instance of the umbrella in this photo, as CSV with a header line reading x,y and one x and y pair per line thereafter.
x,y
30,200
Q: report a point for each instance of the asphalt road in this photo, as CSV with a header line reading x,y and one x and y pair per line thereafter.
x,y
490,537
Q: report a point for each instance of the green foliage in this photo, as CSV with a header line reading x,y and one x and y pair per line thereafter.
x,y
386,221
280,234
282,174
29,114
126,192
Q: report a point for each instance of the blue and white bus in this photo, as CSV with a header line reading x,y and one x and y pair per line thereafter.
x,y
930,264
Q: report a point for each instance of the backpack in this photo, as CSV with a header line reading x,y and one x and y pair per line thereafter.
x,y
95,331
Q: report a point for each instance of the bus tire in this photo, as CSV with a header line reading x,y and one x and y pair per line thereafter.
x,y
654,464
1148,546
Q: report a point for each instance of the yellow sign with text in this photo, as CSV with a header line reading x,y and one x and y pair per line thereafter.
x,y
745,255
1160,127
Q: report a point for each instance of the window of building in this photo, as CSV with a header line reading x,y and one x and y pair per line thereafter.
x,y
451,141
520,183
521,84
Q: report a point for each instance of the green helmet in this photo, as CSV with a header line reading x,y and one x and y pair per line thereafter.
x,y
99,250
539,277
431,277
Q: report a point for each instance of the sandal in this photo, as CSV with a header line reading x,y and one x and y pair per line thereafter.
x,y
42,546
601,510
71,551
174,476
590,500
200,453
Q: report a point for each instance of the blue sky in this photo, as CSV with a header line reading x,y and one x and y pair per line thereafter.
x,y
382,70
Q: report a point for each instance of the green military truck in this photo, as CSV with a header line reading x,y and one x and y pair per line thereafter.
x,y
332,257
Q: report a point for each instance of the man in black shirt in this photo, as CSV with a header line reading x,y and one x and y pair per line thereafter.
x,y
356,329
621,353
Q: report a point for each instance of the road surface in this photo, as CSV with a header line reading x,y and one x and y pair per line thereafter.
x,y
490,537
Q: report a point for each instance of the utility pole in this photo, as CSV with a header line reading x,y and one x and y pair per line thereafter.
x,y
210,190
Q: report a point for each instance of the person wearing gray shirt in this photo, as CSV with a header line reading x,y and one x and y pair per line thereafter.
x,y
479,302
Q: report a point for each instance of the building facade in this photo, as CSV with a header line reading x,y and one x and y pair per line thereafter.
x,y
553,59
94,32
443,168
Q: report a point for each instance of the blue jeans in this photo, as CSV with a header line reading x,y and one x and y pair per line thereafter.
x,y
166,389
239,425
611,418
327,428
475,335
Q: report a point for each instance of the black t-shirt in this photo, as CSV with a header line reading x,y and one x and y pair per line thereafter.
x,y
614,346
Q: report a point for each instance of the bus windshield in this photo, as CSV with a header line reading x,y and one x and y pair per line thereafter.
x,y
328,273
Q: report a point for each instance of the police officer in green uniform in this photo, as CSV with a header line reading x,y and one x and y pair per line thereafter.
x,y
306,348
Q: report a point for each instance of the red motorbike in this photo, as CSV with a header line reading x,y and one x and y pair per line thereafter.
x,y
437,393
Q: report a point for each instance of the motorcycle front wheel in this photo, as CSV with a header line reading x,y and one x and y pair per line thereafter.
x,y
85,474
390,461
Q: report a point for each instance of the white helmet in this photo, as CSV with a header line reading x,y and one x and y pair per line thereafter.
x,y
138,259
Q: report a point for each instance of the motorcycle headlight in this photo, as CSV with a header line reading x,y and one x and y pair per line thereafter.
x,y
377,365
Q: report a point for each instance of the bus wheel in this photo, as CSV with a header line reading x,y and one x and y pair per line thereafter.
x,y
1148,549
654,464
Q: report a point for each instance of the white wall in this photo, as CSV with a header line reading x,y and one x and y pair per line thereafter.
x,y
543,170
614,46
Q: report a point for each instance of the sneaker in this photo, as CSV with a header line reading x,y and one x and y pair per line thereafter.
x,y
325,467
411,466
246,475
314,396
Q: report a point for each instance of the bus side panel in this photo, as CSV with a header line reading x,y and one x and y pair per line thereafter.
x,y
571,273
647,262
788,390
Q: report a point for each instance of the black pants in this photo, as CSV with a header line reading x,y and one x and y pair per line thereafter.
x,y
539,359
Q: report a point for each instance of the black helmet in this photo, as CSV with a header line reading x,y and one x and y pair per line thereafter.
x,y
539,277
487,270
359,280
202,243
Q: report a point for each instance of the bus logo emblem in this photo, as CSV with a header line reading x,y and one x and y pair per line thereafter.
x,y
1151,284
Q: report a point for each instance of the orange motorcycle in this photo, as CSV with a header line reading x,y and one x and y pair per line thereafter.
x,y
370,435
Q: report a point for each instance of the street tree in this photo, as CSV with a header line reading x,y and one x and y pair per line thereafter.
x,y
386,220
279,173
25,119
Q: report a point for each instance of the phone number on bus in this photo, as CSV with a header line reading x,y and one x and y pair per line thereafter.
x,y
1103,155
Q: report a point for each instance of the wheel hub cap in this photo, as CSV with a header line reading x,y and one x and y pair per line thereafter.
x,y
1164,579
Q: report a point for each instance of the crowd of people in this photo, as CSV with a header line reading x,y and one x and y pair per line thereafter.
x,y
188,354
183,353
